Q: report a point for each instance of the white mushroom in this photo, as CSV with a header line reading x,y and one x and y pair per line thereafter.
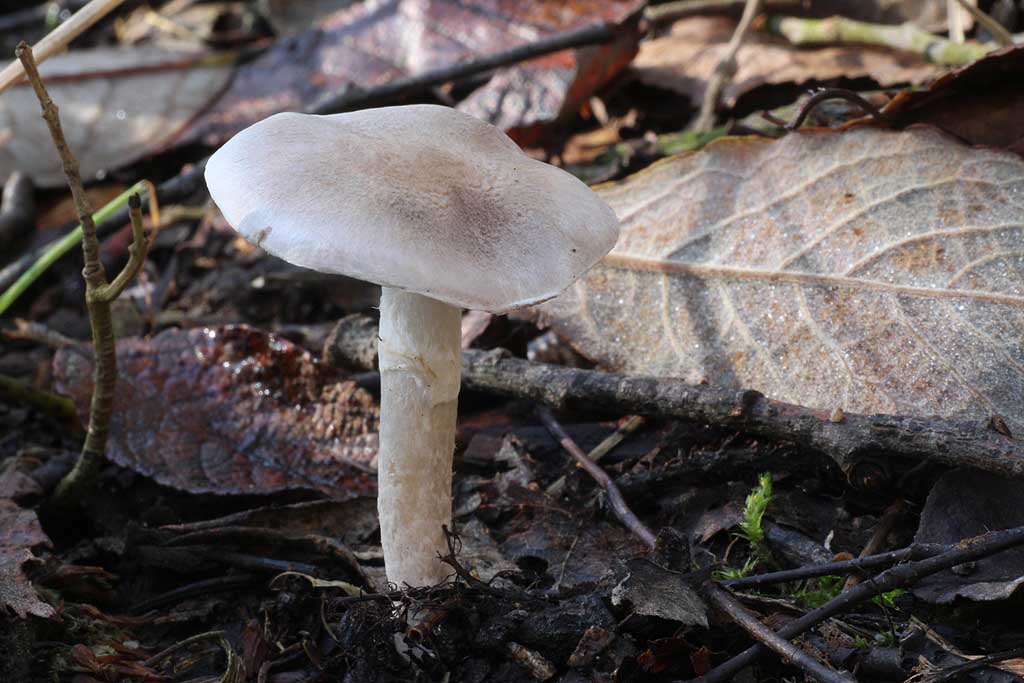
x,y
445,212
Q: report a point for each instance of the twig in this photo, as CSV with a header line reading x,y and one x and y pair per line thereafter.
x,y
831,94
885,525
908,37
615,499
602,449
955,22
59,38
998,31
17,209
357,98
725,69
61,408
789,652
967,550
98,296
917,551
957,444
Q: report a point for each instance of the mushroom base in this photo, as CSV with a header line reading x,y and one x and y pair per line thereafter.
x,y
420,366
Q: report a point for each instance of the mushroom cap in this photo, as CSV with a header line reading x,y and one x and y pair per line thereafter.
x,y
423,198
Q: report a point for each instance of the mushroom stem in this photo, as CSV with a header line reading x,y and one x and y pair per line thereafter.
x,y
420,364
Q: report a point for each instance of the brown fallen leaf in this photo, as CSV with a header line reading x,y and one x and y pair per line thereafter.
x,y
232,410
116,105
982,103
876,271
20,531
684,60
367,44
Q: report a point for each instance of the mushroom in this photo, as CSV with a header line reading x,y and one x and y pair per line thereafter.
x,y
445,212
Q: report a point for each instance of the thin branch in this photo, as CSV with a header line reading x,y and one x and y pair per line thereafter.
x,y
615,499
974,664
725,69
602,449
917,551
58,39
680,9
907,37
789,652
97,299
998,31
968,550
358,98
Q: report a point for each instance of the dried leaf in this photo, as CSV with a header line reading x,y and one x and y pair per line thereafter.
x,y
654,591
981,103
116,106
876,271
20,531
684,60
372,43
962,504
232,410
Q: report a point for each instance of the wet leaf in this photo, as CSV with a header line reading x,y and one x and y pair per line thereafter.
x,y
654,591
232,410
117,105
20,531
371,43
876,271
684,60
965,503
982,103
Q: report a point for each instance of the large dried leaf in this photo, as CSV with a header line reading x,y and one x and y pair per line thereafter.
x,y
374,42
20,531
684,60
872,270
232,410
116,107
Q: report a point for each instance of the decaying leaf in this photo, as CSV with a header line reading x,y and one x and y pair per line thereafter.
x,y
684,60
964,504
117,105
877,271
654,591
370,43
232,410
20,531
981,103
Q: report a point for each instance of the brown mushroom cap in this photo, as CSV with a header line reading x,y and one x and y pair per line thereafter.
x,y
422,198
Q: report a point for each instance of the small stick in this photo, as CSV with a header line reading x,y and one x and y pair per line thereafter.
x,y
998,31
615,499
602,449
59,38
789,652
725,69
917,551
877,540
98,296
967,550
679,9
973,665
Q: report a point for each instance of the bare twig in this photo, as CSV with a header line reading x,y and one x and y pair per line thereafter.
x,y
967,550
58,39
725,69
885,525
917,551
998,31
615,499
936,49
789,652
98,296
974,664
602,449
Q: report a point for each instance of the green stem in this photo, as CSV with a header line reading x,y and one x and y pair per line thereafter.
x,y
54,253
